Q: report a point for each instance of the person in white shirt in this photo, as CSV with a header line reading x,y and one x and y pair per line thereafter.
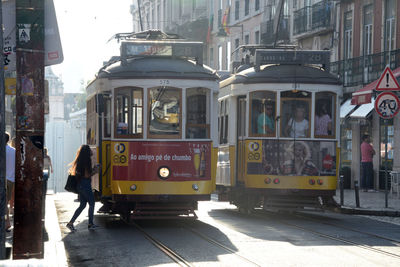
x,y
297,126
10,175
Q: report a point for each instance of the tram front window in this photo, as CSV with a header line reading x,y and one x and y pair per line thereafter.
x,y
164,112
129,110
197,114
325,111
295,114
263,113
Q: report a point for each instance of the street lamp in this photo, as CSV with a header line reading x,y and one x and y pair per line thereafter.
x,y
222,32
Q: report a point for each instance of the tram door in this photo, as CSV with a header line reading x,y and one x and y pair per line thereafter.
x,y
241,134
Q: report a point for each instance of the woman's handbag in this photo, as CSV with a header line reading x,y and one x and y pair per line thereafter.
x,y
72,184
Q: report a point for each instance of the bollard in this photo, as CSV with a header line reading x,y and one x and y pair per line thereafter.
x,y
356,188
341,185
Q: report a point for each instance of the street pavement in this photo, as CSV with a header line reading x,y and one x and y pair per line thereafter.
x,y
371,204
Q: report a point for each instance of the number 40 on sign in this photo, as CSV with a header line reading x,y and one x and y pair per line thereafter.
x,y
387,105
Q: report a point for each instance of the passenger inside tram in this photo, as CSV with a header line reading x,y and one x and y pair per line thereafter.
x,y
298,124
323,122
265,120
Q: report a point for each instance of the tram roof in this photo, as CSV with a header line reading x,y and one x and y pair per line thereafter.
x,y
157,67
282,74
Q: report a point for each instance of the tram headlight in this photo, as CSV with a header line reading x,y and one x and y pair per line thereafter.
x,y
311,181
320,181
133,187
163,172
276,181
195,187
267,180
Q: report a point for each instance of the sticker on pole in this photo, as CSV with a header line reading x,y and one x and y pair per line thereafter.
x,y
387,81
387,105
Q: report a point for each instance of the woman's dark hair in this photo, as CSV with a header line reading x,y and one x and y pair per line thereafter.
x,y
82,161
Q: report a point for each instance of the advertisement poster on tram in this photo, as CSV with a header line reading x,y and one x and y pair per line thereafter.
x,y
304,158
139,161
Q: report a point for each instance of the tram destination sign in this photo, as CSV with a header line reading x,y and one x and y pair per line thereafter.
x,y
317,57
163,48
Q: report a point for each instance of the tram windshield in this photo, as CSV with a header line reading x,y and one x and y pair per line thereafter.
x,y
165,115
197,115
263,113
325,110
295,116
129,112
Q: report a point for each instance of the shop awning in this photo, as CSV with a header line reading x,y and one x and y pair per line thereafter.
x,y
363,110
364,95
346,108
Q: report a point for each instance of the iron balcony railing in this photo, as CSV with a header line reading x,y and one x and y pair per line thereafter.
x,y
310,18
267,31
365,69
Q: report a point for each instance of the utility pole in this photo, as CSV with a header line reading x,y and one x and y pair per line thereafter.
x,y
3,201
28,224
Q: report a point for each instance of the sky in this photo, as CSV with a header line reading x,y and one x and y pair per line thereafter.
x,y
85,27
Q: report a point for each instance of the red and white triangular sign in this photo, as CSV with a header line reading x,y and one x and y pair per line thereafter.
x,y
387,82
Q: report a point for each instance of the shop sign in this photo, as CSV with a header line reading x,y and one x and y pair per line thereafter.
x,y
387,105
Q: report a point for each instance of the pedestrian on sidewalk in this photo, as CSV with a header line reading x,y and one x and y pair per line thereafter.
x,y
82,168
10,175
367,153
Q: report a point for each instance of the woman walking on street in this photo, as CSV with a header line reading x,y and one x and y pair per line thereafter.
x,y
82,169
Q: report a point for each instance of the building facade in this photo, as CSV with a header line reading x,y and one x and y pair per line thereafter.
x,y
369,40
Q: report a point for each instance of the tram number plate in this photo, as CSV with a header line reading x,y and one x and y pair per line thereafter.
x,y
253,156
387,105
164,82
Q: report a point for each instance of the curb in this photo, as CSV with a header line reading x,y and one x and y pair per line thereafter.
x,y
359,211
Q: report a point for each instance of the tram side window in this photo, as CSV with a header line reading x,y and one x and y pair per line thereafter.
x,y
295,114
223,121
165,112
325,110
107,116
263,113
129,112
91,121
197,114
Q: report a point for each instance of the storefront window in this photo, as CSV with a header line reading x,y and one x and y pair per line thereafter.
x,y
129,112
263,113
197,115
164,112
324,126
295,114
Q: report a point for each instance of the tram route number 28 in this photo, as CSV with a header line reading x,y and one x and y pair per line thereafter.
x,y
252,156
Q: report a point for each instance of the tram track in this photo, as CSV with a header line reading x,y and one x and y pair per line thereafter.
x,y
259,213
181,261
262,213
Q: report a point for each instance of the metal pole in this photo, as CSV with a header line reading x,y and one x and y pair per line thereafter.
x,y
386,162
341,184
356,189
28,224
140,15
3,201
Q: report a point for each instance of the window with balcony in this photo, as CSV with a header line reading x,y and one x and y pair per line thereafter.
x,y
257,5
247,39
348,34
237,10
367,27
257,37
390,22
246,7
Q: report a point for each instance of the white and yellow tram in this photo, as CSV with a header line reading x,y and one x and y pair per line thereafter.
x,y
149,114
279,131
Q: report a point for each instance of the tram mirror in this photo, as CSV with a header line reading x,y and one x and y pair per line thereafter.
x,y
99,103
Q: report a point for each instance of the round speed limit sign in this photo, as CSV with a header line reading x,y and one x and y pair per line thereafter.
x,y
387,105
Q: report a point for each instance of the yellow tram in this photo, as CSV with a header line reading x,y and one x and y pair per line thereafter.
x,y
149,115
279,131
